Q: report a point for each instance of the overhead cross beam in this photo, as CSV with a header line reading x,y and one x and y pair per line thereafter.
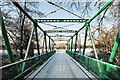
x,y
62,20
61,31
61,39
60,36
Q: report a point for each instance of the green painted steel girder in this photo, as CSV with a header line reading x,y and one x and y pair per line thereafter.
x,y
85,39
60,36
103,8
62,20
76,42
61,31
115,47
6,40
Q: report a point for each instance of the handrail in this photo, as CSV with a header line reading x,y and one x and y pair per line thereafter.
x,y
30,64
92,65
15,63
115,47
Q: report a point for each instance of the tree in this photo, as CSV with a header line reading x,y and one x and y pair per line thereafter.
x,y
16,22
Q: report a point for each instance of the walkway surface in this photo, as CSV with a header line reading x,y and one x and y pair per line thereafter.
x,y
61,65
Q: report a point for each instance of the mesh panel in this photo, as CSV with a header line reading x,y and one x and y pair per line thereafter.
x,y
102,69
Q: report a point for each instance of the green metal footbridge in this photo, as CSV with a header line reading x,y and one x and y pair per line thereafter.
x,y
54,65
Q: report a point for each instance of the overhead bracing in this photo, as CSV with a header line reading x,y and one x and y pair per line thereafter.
x,y
61,31
62,20
60,36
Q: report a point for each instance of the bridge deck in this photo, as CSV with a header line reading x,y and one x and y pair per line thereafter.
x,y
61,65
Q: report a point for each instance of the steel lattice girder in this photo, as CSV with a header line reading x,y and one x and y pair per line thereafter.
x,y
61,31
62,20
60,36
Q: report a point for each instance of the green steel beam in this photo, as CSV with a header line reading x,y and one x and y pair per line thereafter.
x,y
85,39
62,20
71,44
52,45
49,45
36,34
43,46
115,47
102,9
45,42
60,36
61,31
67,45
6,40
76,42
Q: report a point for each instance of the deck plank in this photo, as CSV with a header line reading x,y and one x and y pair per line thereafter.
x,y
61,66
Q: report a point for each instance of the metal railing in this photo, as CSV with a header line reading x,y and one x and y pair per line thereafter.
x,y
97,67
9,72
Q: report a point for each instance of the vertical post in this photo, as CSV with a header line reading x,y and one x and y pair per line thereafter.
x,y
49,45
87,25
53,45
76,41
37,38
21,46
71,43
6,40
45,42
43,47
68,45
79,43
